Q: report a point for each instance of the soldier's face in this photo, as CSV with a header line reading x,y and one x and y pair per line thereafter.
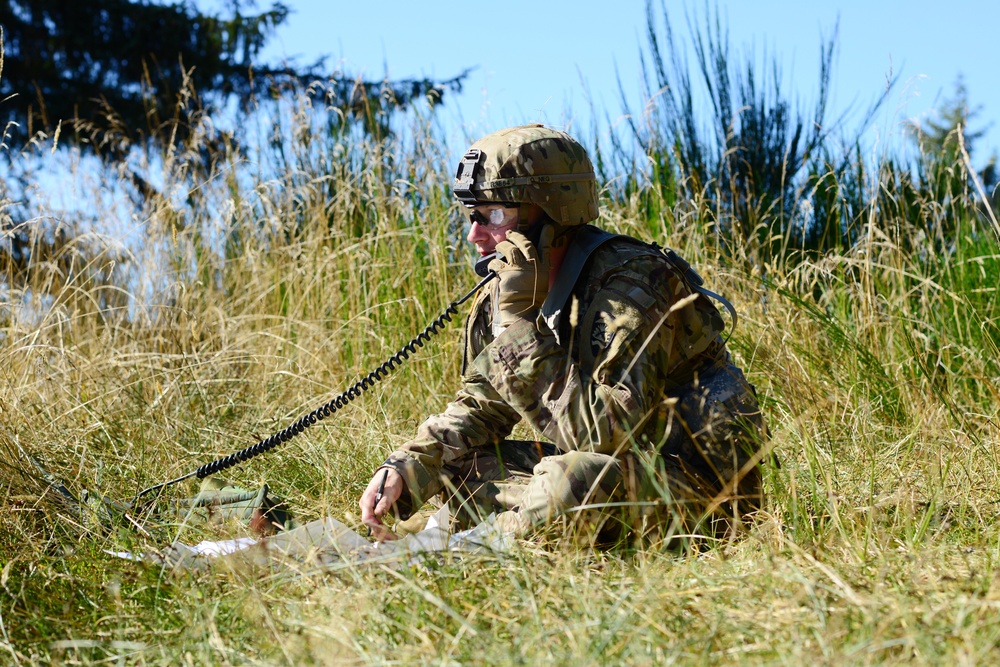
x,y
489,225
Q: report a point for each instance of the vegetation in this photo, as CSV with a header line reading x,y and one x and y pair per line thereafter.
x,y
127,82
112,71
262,288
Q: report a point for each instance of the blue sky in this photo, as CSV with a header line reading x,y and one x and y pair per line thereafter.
x,y
546,60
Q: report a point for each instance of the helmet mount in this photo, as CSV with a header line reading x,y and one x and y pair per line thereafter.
x,y
463,178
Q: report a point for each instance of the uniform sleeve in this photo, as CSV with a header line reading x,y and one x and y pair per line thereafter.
x,y
476,418
596,401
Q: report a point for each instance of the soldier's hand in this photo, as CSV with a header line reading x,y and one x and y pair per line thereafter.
x,y
524,275
371,515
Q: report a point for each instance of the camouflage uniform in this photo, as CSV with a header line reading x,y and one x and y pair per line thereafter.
x,y
631,382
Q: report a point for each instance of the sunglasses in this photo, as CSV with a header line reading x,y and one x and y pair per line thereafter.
x,y
492,218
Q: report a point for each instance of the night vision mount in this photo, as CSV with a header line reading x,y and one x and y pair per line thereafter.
x,y
464,176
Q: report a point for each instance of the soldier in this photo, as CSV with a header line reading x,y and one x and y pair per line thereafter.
x,y
609,347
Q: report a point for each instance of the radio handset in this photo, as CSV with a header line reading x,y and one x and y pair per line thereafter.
x,y
483,263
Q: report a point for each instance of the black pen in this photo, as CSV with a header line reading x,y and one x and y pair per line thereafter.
x,y
378,495
381,489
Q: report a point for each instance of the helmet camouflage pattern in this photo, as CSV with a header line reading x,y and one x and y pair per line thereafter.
x,y
530,164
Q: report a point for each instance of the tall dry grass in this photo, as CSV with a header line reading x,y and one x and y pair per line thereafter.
x,y
265,281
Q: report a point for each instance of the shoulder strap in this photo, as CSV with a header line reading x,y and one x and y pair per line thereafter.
x,y
585,241
697,283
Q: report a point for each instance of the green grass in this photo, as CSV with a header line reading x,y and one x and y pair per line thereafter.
x,y
256,299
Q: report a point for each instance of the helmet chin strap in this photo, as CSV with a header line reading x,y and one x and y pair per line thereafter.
x,y
523,209
533,231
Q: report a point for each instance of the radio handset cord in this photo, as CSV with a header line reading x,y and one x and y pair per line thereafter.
x,y
327,409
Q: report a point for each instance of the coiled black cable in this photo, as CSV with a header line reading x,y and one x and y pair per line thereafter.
x,y
336,403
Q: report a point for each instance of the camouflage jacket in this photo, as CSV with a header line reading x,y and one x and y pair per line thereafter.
x,y
592,376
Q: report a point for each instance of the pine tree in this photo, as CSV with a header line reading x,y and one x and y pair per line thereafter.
x,y
938,135
121,64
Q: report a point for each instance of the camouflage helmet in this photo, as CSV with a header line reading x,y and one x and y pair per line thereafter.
x,y
530,164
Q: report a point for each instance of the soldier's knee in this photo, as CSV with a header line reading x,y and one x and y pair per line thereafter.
x,y
583,465
564,483
575,478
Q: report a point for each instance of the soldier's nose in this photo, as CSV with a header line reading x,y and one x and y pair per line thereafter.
x,y
476,233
